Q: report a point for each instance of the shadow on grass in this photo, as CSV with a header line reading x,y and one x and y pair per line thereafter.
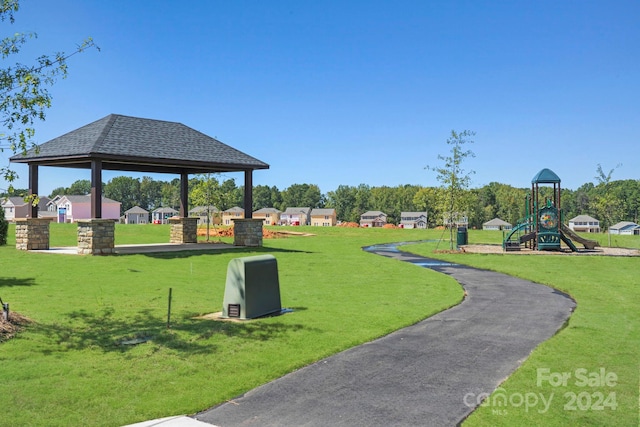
x,y
188,335
239,251
8,282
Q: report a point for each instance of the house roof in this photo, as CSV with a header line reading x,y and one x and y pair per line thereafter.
x,y
583,218
374,213
624,225
496,222
136,210
296,210
322,212
234,209
164,210
203,209
545,176
135,144
413,214
15,201
267,210
83,199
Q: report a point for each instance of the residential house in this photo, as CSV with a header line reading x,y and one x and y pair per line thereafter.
x,y
413,220
201,213
625,227
230,214
295,216
458,219
497,224
269,216
373,219
70,208
323,217
136,215
162,215
584,224
16,207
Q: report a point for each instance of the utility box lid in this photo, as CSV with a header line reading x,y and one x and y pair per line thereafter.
x,y
252,288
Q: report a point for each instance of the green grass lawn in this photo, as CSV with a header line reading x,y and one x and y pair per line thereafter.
x,y
597,351
70,368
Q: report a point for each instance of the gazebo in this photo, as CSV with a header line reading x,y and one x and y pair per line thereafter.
x,y
133,144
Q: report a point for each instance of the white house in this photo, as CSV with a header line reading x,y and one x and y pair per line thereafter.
x,y
136,215
584,224
625,227
162,215
373,219
496,224
295,216
413,220
70,208
16,207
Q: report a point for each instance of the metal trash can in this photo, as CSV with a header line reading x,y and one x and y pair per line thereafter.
x,y
252,288
463,236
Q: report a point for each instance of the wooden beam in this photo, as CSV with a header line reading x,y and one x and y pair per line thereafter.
x,y
96,188
33,188
184,194
248,193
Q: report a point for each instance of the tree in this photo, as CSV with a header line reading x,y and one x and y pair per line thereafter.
x,y
454,179
303,195
208,192
606,203
261,197
125,190
24,97
80,187
58,191
150,193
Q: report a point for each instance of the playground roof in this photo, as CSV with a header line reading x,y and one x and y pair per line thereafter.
x,y
545,176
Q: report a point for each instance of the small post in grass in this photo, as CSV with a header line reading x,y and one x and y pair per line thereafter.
x,y
169,311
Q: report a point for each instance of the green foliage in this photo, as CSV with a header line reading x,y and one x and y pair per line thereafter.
x,y
303,195
24,95
4,228
125,190
454,179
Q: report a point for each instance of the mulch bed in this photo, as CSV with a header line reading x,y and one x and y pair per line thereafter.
x,y
9,328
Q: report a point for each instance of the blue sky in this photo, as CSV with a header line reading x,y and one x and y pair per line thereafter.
x,y
350,92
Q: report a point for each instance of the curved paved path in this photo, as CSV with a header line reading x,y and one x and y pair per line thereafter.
x,y
418,375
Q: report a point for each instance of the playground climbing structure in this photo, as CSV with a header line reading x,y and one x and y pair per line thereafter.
x,y
542,227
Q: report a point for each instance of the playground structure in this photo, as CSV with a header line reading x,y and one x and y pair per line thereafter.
x,y
542,227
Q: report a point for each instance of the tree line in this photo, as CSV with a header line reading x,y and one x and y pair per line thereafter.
x,y
608,201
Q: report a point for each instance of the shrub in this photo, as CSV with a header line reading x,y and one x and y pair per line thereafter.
x,y
4,227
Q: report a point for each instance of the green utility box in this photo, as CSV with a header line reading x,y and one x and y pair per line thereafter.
x,y
252,288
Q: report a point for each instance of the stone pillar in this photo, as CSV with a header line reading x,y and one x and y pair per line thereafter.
x,y
247,232
96,236
32,234
183,230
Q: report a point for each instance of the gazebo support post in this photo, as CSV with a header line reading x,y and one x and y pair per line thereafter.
x,y
96,188
32,233
183,229
247,231
96,236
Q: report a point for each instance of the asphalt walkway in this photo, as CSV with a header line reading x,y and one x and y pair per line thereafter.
x,y
427,374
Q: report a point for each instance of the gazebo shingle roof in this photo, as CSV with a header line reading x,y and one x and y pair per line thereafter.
x,y
136,144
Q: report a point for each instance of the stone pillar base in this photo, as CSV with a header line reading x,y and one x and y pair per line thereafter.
x,y
183,230
96,236
32,234
247,232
